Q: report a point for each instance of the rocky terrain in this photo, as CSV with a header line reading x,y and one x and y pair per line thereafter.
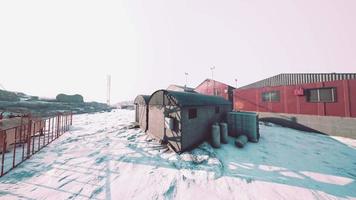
x,y
15,102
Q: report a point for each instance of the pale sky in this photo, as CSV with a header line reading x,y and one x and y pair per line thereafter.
x,y
50,47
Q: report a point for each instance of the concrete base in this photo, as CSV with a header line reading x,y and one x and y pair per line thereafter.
x,y
336,126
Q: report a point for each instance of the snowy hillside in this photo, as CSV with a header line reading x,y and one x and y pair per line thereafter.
x,y
100,158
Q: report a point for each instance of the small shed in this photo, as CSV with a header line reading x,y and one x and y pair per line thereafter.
x,y
141,115
183,119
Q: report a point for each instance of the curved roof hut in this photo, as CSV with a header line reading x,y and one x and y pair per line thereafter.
x,y
141,115
182,119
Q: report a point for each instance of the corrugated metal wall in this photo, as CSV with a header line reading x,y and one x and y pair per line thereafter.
x,y
296,79
212,87
250,99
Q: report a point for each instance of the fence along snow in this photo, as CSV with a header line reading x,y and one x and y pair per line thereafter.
x,y
18,143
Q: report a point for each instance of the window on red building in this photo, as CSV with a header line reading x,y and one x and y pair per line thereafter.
x,y
321,95
272,96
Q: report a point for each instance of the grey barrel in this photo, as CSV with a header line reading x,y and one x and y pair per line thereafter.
x,y
241,141
223,133
215,136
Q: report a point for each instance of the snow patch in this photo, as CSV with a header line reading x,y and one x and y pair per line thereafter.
x,y
101,157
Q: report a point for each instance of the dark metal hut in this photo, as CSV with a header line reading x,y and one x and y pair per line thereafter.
x,y
182,119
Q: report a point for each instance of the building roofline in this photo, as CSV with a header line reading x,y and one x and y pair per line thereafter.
x,y
186,99
142,98
183,87
209,79
299,78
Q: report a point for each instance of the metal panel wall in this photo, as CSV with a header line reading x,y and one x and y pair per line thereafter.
x,y
296,79
344,106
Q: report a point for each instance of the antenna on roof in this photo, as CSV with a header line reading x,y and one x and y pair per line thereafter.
x,y
212,78
212,72
186,80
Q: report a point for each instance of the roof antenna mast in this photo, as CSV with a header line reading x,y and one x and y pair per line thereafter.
x,y
212,78
186,80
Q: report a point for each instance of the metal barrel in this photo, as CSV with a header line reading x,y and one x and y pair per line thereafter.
x,y
223,133
215,136
241,141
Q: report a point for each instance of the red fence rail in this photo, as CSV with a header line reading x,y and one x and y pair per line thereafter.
x,y
20,142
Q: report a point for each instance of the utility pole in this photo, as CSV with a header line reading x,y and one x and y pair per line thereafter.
x,y
108,82
186,79
212,72
212,78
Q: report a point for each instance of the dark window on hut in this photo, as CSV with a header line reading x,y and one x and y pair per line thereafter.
x,y
273,96
321,95
217,109
192,113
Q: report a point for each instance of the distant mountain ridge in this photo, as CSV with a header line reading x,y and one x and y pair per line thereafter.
x,y
18,102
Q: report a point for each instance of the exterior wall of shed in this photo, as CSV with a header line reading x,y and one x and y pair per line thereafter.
x,y
345,105
197,130
156,128
141,112
188,132
223,90
156,121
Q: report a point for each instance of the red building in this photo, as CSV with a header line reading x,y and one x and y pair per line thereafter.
x,y
216,88
303,98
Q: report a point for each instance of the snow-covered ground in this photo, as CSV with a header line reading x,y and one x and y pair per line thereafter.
x,y
101,158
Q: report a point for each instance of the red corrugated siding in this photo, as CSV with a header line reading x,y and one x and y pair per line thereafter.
x,y
290,100
207,87
337,108
352,91
245,100
345,105
302,105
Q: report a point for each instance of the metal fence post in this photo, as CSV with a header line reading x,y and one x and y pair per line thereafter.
x,y
21,139
28,137
53,119
44,131
58,126
62,127
33,137
14,153
66,122
39,136
3,136
49,129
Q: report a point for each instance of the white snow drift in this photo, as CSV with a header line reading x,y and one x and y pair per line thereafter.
x,y
100,158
